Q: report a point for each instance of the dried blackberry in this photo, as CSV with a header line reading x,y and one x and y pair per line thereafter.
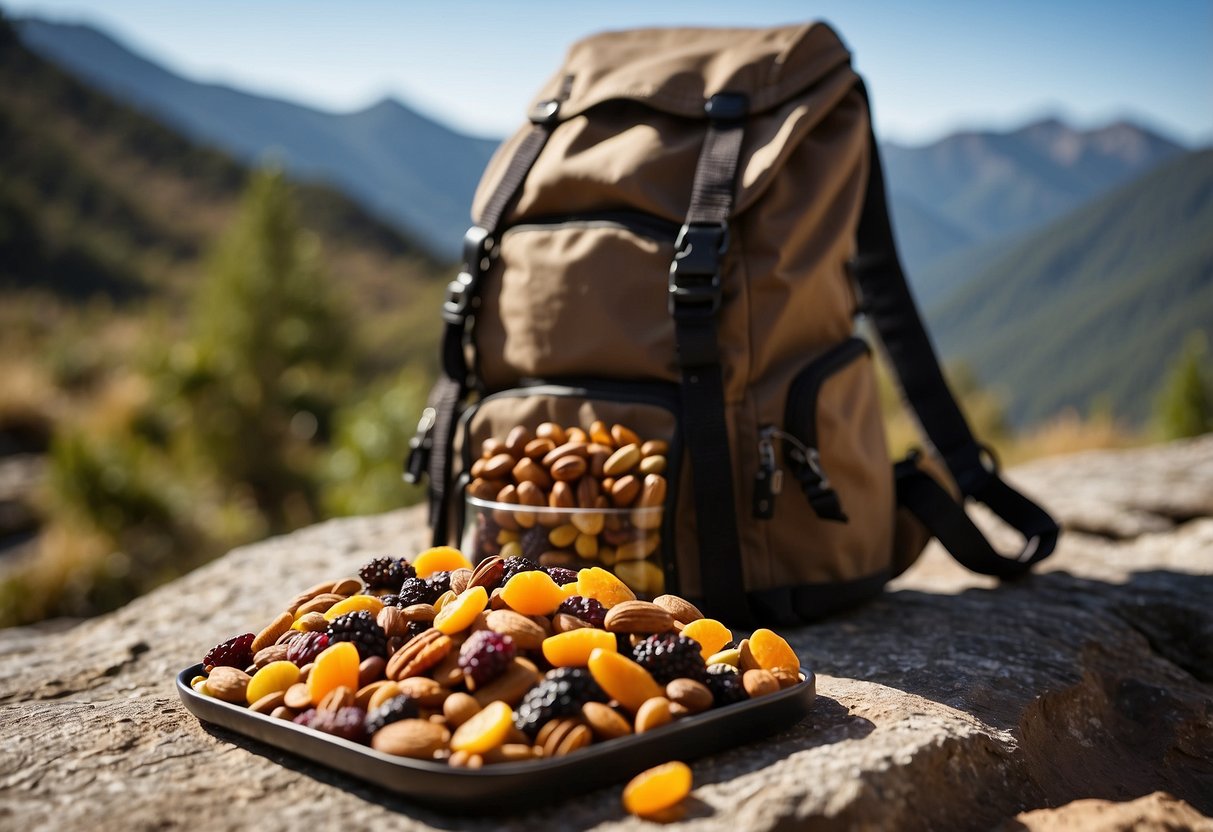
x,y
670,656
306,648
391,600
418,591
439,582
534,542
361,629
561,693
347,723
515,565
725,684
386,573
485,656
588,610
393,710
235,652
561,575
416,628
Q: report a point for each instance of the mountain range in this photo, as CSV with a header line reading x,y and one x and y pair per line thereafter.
x,y
98,201
400,165
1092,307
966,188
1062,264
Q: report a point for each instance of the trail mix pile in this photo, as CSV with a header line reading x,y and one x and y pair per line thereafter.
x,y
615,477
507,661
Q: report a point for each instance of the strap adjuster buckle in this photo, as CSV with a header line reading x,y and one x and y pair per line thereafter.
x,y
420,447
694,288
463,291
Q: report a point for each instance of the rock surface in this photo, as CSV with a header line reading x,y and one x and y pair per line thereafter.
x,y
950,702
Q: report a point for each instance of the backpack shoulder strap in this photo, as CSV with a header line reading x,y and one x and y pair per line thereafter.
x,y
891,308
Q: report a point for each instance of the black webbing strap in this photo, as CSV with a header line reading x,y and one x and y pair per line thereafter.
x,y
694,302
891,307
431,447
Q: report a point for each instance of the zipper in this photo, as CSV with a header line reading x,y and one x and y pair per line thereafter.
x,y
801,449
806,387
640,223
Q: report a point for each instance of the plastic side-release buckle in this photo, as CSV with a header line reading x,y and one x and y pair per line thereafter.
x,y
695,270
418,460
462,292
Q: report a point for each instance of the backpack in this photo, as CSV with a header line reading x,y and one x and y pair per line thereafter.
x,y
682,240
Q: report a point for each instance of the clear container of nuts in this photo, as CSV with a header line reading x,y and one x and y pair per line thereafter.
x,y
576,504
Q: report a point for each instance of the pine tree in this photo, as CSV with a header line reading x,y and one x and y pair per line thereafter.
x,y
1185,403
269,349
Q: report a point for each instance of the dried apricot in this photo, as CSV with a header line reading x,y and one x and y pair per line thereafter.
x,y
485,730
532,593
337,666
440,559
457,615
771,651
272,678
572,649
623,679
603,587
711,635
354,603
658,789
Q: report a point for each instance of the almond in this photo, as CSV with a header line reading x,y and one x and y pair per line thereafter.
x,y
682,610
527,635
606,722
313,622
371,669
488,572
786,678
553,431
530,471
638,617
692,695
569,468
298,697
458,708
461,579
654,713
563,623
537,449
624,491
392,621
336,699
517,440
320,603
347,587
655,447
600,435
387,691
498,467
759,683
273,653
267,703
745,657
271,633
229,684
417,738
427,692
483,489
419,612
559,737
303,597
510,686
563,451
622,461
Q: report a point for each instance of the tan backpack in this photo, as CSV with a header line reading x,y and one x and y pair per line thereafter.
x,y
681,241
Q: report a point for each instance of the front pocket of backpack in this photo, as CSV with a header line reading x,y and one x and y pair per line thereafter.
x,y
832,520
628,535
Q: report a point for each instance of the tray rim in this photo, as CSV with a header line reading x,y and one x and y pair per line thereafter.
x,y
806,689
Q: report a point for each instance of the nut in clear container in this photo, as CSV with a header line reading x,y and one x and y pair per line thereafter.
x,y
594,499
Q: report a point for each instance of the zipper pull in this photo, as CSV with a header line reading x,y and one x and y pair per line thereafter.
x,y
420,447
805,463
768,482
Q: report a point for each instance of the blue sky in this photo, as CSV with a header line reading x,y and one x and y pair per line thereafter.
x,y
933,67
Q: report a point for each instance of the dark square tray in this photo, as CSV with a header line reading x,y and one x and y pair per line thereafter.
x,y
515,784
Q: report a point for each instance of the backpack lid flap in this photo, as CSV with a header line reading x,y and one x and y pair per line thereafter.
x,y
677,70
